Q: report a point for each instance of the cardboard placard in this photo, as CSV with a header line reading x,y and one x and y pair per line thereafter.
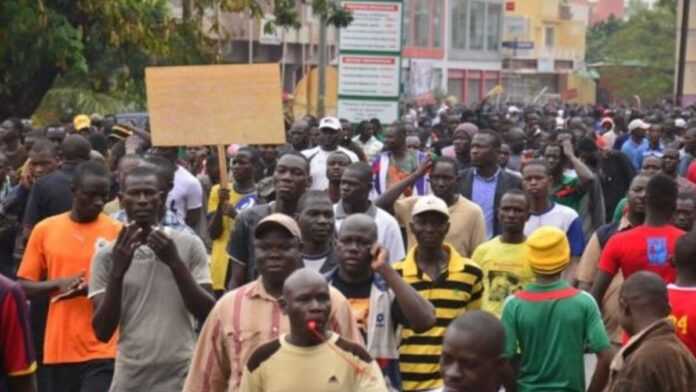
x,y
215,104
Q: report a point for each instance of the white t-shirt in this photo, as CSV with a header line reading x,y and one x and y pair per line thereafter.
x,y
388,231
317,165
186,195
314,264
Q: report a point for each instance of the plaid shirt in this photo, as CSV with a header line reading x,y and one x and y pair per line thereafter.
x,y
170,220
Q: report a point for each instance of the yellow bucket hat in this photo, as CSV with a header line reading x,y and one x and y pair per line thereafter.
x,y
548,251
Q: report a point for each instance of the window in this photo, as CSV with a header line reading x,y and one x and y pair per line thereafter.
x,y
493,23
477,19
473,95
549,37
421,23
454,88
437,23
459,24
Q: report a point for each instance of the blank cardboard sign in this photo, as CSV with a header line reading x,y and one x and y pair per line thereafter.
x,y
215,104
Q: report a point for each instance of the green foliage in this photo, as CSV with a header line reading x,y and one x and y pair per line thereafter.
x,y
646,44
99,47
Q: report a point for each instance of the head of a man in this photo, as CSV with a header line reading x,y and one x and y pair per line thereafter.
x,y
514,211
685,213
548,252
306,301
346,131
329,133
141,195
243,164
277,248
652,164
461,139
689,141
357,236
685,254
553,155
670,161
443,178
336,164
643,300
472,353
291,176
76,148
655,134
90,189
165,173
127,163
661,196
485,149
298,135
43,158
170,153
636,195
395,138
536,180
356,183
366,130
315,217
430,222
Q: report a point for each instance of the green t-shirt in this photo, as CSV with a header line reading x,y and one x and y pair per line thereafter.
x,y
619,211
568,192
505,271
550,326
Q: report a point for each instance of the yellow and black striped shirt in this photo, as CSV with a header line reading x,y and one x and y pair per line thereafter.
x,y
458,289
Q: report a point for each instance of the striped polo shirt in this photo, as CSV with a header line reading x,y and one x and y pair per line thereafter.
x,y
456,290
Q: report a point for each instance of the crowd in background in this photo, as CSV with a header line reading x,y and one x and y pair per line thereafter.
x,y
525,247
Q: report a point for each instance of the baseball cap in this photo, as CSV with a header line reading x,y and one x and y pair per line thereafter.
x,y
81,121
120,132
636,124
331,123
281,220
680,123
429,203
548,251
514,109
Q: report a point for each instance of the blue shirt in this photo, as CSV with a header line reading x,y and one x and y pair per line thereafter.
x,y
634,152
656,152
483,194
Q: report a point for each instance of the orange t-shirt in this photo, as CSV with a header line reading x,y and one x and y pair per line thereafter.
x,y
59,247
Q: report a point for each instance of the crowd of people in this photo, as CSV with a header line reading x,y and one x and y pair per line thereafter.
x,y
517,248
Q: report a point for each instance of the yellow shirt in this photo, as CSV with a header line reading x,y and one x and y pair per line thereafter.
x,y
505,271
219,260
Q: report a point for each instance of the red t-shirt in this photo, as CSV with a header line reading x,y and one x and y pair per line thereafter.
x,y
683,301
643,248
691,172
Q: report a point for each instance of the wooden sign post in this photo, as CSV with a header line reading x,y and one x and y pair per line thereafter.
x,y
215,105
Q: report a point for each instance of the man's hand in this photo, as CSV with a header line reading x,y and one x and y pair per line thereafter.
x,y
424,167
164,247
223,196
129,239
70,283
568,149
379,258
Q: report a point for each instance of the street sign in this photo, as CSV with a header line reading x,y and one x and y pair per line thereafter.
x,y
376,27
519,45
369,75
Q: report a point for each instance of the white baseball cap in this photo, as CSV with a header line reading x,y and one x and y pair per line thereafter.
x,y
636,124
680,123
430,203
331,123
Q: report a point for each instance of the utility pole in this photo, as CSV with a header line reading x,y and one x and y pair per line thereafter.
x,y
681,59
321,96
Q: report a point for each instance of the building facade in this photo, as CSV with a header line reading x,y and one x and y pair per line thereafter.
x,y
545,45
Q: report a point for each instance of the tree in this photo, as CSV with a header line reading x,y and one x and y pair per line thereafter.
x,y
93,49
645,44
